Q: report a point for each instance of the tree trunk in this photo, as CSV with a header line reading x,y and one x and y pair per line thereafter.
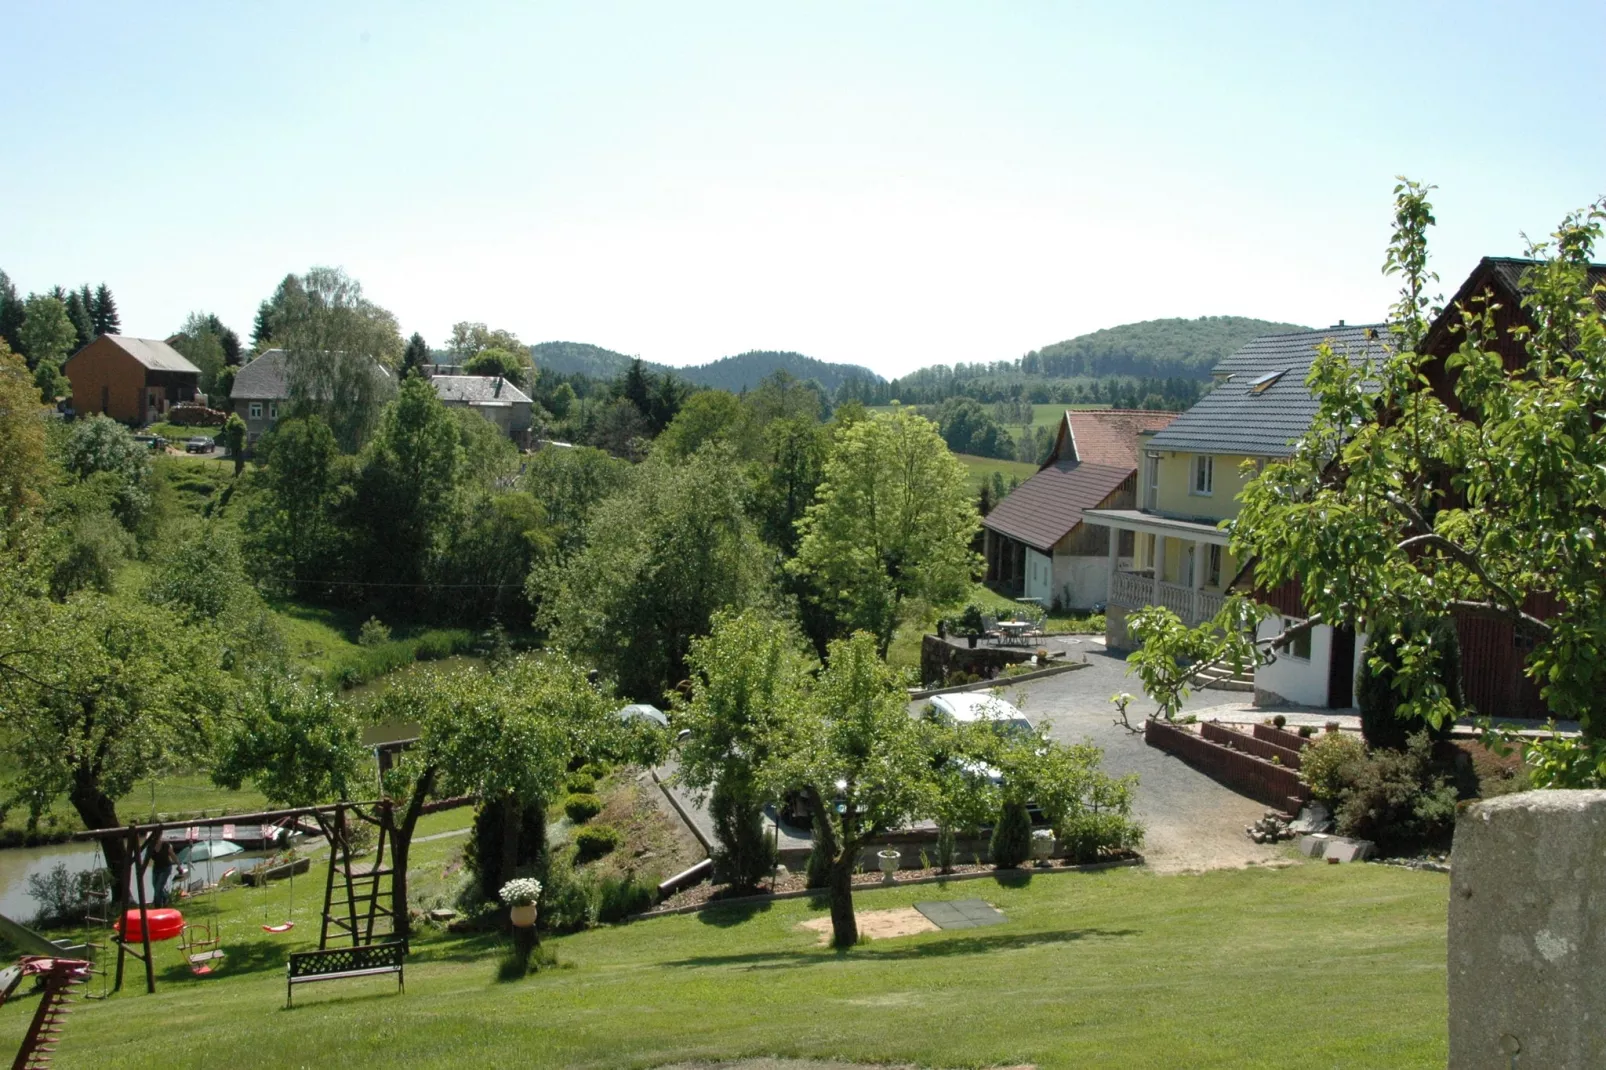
x,y
401,843
97,811
844,926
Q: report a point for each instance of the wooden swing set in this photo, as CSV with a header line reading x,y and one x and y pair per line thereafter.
x,y
357,896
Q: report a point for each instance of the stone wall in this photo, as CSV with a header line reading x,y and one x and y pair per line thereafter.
x,y
1527,939
1274,785
939,657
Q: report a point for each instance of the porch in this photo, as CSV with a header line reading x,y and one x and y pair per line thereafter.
x,y
1182,565
1137,589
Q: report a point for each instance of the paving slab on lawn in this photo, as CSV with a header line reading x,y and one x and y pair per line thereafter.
x,y
961,913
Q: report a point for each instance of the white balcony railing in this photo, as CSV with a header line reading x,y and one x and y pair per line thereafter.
x,y
1134,590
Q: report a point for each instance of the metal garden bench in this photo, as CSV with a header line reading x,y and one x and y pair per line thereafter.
x,y
332,964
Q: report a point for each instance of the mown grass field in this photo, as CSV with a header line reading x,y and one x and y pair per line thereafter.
x,y
1311,966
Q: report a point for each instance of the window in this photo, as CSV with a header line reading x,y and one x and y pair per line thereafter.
x,y
256,410
273,410
1151,480
1204,473
1299,648
1213,574
1265,382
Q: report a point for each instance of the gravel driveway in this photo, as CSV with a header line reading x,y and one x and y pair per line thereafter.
x,y
1192,822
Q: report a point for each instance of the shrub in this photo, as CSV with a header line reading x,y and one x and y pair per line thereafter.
x,y
970,621
580,784
619,897
1012,836
567,904
1279,720
1395,797
594,770
594,841
374,632
1306,731
581,807
482,855
743,853
1326,764
60,895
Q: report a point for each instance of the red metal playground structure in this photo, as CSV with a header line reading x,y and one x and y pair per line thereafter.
x,y
357,897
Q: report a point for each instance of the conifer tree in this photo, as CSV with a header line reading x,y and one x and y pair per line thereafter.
x,y
10,314
415,356
262,327
82,323
104,312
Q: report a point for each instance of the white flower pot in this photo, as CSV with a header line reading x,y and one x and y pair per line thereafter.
x,y
1042,846
889,865
522,915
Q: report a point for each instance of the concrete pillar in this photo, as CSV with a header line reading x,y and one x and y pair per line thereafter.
x,y
1527,934
1115,562
1200,556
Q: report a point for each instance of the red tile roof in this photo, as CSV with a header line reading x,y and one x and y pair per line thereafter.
x,y
1081,474
1110,436
1042,511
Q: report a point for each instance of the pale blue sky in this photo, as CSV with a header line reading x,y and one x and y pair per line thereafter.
x,y
888,184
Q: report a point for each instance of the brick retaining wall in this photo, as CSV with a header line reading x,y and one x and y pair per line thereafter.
x,y
1281,736
1220,733
1273,785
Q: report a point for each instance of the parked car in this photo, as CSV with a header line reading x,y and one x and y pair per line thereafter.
x,y
151,442
980,707
200,444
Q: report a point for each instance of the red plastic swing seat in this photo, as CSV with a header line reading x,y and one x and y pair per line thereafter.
x,y
281,928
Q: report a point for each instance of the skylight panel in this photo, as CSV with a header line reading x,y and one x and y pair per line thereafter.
x,y
1263,383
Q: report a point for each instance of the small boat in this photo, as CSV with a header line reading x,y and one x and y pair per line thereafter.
x,y
263,874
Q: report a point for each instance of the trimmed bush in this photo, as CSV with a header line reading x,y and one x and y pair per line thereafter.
x,y
594,770
619,897
582,807
1325,764
743,853
580,784
594,841
1012,836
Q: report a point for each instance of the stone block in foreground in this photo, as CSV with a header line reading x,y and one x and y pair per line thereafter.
x,y
1527,939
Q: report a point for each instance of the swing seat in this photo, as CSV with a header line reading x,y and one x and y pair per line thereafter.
x,y
283,927
203,964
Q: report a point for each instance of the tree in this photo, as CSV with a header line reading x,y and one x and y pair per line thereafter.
x,y
46,333
412,472
50,383
297,744
201,345
569,484
339,347
891,525
292,523
227,340
99,444
707,416
859,758
494,361
748,679
232,436
202,577
24,469
96,694
82,321
509,737
661,556
103,311
415,356
11,314
262,328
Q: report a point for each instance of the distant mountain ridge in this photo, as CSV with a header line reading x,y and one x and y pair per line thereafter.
x,y
1159,348
741,372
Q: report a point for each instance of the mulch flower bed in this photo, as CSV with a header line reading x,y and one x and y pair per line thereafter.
x,y
711,894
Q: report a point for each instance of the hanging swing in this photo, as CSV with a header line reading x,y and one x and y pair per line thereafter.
x,y
289,917
202,944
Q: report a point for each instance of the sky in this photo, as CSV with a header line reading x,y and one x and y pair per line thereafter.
x,y
886,184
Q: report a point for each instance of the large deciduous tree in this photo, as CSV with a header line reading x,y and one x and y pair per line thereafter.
x,y
661,556
11,314
339,347
46,332
748,679
891,525
412,473
24,469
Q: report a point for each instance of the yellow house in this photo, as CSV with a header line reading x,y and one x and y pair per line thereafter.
x,y
1189,480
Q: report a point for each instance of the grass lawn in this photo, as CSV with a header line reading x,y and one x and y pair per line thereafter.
x,y
1312,966
981,468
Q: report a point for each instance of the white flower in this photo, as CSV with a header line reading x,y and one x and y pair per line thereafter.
x,y
521,891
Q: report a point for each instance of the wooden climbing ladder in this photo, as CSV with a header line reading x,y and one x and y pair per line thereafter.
x,y
357,895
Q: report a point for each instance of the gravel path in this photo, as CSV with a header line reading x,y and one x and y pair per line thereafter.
x,y
1193,823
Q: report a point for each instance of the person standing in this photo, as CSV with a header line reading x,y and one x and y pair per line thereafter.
x,y
162,871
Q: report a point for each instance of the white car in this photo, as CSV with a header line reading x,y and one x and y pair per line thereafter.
x,y
970,707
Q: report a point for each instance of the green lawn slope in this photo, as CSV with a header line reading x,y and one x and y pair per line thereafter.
x,y
1311,966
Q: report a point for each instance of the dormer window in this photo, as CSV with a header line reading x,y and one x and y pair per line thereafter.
x,y
1263,383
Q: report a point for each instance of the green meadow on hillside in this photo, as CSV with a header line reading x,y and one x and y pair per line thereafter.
x,y
1310,966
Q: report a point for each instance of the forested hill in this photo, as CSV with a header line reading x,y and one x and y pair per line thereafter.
x,y
579,358
1159,348
747,370
744,371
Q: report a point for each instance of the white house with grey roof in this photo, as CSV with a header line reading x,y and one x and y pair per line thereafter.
x,y
493,397
1189,479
